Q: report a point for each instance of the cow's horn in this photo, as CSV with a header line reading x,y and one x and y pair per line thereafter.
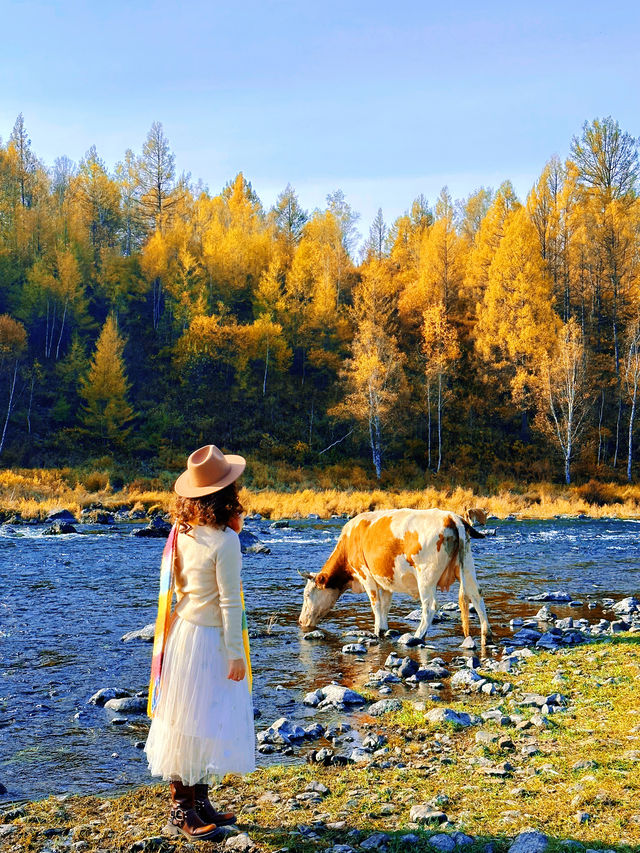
x,y
309,576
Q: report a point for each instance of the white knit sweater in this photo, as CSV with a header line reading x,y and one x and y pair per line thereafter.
x,y
207,582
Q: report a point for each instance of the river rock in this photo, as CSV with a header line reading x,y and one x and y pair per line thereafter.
x,y
145,634
6,829
385,706
337,696
530,841
408,666
106,693
60,515
59,528
448,715
250,544
526,637
443,842
314,635
545,614
424,813
377,841
467,643
127,705
282,731
465,678
414,616
552,596
354,649
153,530
409,641
627,606
359,755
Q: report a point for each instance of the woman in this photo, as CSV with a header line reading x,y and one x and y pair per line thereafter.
x,y
203,724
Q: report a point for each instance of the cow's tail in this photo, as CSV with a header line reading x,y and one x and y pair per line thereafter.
x,y
464,558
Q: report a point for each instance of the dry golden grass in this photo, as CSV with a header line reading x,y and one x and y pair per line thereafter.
x,y
34,493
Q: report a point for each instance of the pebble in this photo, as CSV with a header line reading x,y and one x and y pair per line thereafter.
x,y
426,814
314,635
241,842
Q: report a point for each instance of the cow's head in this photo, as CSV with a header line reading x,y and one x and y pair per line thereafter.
x,y
319,597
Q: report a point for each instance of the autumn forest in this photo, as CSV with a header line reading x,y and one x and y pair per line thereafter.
x,y
486,337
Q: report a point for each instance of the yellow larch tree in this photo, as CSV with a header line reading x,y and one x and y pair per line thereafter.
x,y
516,325
107,412
485,244
441,266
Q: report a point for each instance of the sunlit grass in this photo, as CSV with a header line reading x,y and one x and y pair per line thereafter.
x,y
545,791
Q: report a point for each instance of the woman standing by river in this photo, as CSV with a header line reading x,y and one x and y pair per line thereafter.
x,y
202,724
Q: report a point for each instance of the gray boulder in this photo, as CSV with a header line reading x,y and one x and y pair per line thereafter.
x,y
127,705
443,842
627,606
103,695
465,678
60,515
448,715
250,544
59,528
145,634
385,706
530,841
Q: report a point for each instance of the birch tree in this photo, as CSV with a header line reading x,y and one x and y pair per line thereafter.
x,y
565,393
374,374
440,349
632,379
13,342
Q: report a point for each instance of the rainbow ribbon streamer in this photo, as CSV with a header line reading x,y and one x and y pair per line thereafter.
x,y
163,619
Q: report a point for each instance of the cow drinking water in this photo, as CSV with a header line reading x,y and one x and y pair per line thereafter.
x,y
401,550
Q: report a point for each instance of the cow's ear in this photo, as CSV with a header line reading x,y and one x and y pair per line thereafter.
x,y
321,581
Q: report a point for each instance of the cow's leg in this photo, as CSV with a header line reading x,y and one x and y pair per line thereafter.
x,y
384,597
373,591
428,606
474,595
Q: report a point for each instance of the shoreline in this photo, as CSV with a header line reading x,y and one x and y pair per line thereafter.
x,y
569,772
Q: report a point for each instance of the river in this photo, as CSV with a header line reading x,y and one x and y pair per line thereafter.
x,y
66,601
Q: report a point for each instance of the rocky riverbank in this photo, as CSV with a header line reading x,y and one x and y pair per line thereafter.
x,y
543,755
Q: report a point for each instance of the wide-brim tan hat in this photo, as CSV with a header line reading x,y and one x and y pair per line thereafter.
x,y
208,471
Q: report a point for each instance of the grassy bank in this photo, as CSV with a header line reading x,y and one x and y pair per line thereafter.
x,y
580,780
34,493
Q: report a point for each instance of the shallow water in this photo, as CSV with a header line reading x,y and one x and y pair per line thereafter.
x,y
65,602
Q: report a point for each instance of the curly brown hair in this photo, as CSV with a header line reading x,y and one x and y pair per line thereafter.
x,y
214,510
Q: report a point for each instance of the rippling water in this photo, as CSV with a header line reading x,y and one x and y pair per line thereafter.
x,y
65,602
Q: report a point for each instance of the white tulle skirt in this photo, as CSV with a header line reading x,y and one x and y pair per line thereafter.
x,y
203,725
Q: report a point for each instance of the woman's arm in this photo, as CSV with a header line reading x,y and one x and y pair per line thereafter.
x,y
228,567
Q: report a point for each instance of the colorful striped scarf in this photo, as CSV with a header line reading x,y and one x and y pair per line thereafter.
x,y
164,619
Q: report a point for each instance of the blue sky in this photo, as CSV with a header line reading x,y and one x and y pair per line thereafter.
x,y
384,100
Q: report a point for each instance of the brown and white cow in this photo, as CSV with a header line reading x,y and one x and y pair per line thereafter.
x,y
401,550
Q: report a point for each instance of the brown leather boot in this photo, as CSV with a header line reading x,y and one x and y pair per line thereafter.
x,y
206,811
184,817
